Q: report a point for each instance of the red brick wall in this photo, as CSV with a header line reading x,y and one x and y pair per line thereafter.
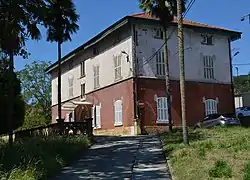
x,y
148,88
107,96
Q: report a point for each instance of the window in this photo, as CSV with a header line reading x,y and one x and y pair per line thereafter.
x,y
118,67
160,64
162,110
95,51
118,113
82,91
83,69
210,106
96,115
207,39
208,62
71,86
158,33
96,77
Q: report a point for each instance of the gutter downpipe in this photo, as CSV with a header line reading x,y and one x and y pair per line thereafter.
x,y
231,73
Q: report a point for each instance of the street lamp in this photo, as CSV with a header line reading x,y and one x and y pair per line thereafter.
x,y
244,18
236,53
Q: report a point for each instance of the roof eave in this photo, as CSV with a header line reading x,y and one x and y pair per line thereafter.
x,y
91,42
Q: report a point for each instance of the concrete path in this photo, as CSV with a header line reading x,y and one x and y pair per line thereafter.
x,y
120,158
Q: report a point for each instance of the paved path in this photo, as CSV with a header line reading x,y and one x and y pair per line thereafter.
x,y
120,158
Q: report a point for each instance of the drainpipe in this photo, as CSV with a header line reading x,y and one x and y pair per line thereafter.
x,y
231,72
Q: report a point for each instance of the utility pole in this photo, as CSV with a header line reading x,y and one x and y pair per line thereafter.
x,y
182,70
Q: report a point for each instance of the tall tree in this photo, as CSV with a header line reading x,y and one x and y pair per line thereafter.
x,y
61,22
36,87
18,103
182,70
165,10
18,22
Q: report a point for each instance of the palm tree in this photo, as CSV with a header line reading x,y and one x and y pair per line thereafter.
x,y
61,21
165,10
182,71
18,22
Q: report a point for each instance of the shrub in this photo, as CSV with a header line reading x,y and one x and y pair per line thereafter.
x,y
38,158
221,169
247,171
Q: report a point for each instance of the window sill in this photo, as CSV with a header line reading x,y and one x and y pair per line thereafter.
x,y
118,124
98,127
118,79
83,98
162,122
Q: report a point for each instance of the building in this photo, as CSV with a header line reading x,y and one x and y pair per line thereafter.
x,y
116,72
242,99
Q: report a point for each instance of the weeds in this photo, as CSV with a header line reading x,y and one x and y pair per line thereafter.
x,y
38,158
221,169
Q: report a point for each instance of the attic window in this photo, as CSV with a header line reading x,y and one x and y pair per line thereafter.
x,y
158,33
207,39
95,51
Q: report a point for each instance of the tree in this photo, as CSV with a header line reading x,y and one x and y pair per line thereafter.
x,y
61,22
36,90
18,103
182,70
165,10
18,22
242,84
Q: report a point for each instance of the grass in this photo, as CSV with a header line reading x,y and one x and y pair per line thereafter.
x,y
222,153
39,158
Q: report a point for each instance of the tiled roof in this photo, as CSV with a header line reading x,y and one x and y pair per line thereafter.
x,y
185,22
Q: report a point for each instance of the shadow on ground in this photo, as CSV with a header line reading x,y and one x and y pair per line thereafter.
x,y
113,157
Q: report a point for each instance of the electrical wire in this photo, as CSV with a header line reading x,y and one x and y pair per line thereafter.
x,y
191,3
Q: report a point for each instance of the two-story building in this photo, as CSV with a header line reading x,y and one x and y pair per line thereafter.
x,y
121,73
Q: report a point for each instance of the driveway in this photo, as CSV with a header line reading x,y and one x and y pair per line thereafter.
x,y
120,158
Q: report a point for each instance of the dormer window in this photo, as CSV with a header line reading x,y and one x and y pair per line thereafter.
x,y
207,39
158,33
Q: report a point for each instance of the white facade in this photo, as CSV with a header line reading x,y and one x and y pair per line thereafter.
x,y
105,60
109,58
194,54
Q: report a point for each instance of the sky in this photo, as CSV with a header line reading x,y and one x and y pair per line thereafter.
x,y
97,15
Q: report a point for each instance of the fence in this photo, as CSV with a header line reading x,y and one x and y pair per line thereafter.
x,y
60,128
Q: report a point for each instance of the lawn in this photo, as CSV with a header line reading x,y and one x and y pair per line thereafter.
x,y
39,158
213,153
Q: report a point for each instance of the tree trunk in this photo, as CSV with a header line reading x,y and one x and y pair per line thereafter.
x,y
182,71
168,91
59,99
10,99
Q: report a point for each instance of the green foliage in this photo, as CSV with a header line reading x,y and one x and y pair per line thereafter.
x,y
221,169
247,171
38,158
242,84
36,90
18,103
60,20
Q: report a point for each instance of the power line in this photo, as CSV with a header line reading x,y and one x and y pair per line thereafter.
x,y
191,3
246,64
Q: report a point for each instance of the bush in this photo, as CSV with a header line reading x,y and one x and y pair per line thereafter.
x,y
247,171
221,169
38,158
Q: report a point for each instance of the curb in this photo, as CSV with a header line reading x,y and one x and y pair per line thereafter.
x,y
168,163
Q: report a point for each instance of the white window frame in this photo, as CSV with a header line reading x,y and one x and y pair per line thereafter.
x,y
96,70
118,113
211,106
82,69
209,67
83,90
96,115
118,67
71,86
160,64
162,110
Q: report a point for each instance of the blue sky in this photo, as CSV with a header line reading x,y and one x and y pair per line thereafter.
x,y
96,15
